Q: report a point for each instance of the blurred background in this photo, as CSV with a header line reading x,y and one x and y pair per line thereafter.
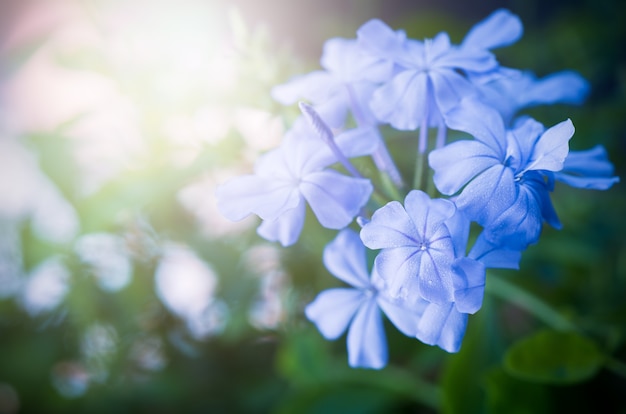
x,y
123,290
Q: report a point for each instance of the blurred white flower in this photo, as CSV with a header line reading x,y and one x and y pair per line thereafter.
x,y
70,378
147,353
11,260
269,308
46,287
28,193
108,257
186,285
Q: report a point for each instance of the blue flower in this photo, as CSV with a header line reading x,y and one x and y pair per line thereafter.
x,y
359,307
432,76
347,82
518,90
423,257
417,248
296,172
345,86
501,172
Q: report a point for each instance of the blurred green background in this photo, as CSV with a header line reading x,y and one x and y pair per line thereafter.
x,y
123,290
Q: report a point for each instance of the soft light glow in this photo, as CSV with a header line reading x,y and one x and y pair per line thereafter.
x,y
186,285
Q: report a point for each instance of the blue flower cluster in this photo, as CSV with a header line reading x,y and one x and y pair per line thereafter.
x,y
425,279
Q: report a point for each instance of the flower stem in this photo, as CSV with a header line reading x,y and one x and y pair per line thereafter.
x,y
504,289
421,165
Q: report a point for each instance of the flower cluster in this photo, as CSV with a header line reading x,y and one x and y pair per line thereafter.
x,y
426,278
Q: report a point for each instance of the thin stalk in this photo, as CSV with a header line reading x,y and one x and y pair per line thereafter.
x,y
327,136
506,290
382,158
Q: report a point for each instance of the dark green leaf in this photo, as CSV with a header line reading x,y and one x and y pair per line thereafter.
x,y
553,357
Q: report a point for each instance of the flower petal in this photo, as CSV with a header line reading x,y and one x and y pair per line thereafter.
x,y
378,39
367,342
449,88
349,63
333,309
459,162
404,317
400,268
317,87
390,226
469,285
345,258
286,228
403,101
335,198
588,169
426,213
494,256
488,195
268,198
481,121
562,87
552,147
520,224
500,28
442,325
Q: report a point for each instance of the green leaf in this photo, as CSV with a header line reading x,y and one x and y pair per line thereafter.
x,y
554,358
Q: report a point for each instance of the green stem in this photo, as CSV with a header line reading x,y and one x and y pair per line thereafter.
x,y
504,289
421,169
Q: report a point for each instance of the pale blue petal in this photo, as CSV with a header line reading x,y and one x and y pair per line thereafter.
x,y
335,198
481,121
500,28
346,259
521,142
442,325
552,147
316,87
469,285
266,197
367,343
378,39
404,316
562,87
488,195
402,102
286,228
426,213
494,256
435,275
400,268
450,88
334,110
390,226
459,228
333,309
358,142
519,225
478,61
347,61
458,162
589,169
303,150
536,184
401,315
588,183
